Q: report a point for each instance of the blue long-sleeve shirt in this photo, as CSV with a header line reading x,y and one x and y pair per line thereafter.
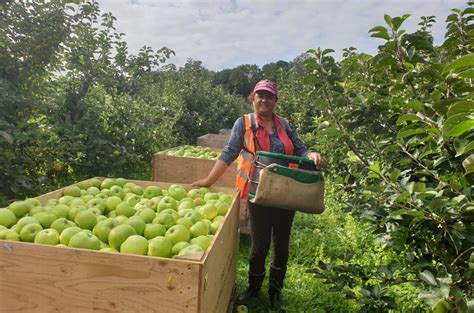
x,y
236,142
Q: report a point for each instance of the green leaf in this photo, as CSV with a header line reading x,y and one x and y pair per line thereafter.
x,y
461,63
397,21
381,34
461,128
394,175
388,20
453,121
428,278
375,167
407,117
6,136
468,164
414,105
377,29
329,132
410,132
460,107
462,146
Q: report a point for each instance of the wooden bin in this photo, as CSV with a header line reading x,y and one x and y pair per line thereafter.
x,y
213,140
185,170
41,278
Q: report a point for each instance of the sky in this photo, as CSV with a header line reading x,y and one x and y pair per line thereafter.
x,y
227,33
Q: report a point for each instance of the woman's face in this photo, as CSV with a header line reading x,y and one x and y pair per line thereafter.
x,y
264,103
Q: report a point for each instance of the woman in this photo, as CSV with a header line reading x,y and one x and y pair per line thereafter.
x,y
265,131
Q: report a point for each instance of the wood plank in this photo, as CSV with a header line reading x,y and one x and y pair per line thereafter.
x,y
213,140
53,279
218,272
167,168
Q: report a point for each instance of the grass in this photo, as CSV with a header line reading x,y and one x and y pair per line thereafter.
x,y
321,237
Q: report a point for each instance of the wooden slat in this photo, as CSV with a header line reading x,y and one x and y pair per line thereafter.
x,y
38,278
213,140
218,272
167,168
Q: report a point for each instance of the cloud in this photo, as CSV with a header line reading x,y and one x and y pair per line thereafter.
x,y
224,34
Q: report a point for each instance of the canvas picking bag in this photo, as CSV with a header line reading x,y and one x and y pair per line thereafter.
x,y
287,182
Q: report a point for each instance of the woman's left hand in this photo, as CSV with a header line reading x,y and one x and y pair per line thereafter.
x,y
317,158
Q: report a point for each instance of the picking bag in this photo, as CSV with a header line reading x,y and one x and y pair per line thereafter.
x,y
287,182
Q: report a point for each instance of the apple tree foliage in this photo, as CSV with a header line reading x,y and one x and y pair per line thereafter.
x,y
397,131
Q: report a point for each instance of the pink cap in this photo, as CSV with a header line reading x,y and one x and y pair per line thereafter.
x,y
267,85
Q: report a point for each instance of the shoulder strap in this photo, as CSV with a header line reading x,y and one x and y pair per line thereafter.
x,y
284,123
254,126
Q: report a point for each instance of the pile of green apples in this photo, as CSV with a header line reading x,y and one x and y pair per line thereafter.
x,y
115,215
199,152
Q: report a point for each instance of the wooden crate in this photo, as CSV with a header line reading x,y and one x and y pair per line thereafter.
x,y
40,278
185,170
213,140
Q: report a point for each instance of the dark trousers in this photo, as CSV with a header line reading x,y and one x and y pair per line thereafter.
x,y
266,225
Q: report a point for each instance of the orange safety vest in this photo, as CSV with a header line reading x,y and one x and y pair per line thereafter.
x,y
247,155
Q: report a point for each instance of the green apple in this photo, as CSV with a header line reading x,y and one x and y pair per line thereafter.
x,y
203,241
136,222
208,211
194,216
154,202
135,244
61,224
7,217
117,191
106,183
25,221
52,201
104,227
84,184
178,233
183,212
226,198
138,190
45,218
60,210
36,209
119,234
132,199
241,309
120,181
125,209
222,207
219,218
93,191
172,212
96,203
203,190
100,218
185,221
152,191
74,210
84,240
186,205
160,247
148,214
112,202
178,247
86,219
167,202
19,208
100,196
165,219
191,249
177,193
77,201
65,200
9,234
47,236
211,196
94,182
195,193
67,233
108,249
73,191
121,218
33,202
86,198
112,213
199,228
154,230
215,226
199,201
29,231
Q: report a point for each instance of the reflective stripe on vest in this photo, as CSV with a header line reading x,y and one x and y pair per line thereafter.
x,y
246,157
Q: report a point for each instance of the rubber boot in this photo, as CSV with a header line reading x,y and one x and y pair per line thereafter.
x,y
275,284
255,283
